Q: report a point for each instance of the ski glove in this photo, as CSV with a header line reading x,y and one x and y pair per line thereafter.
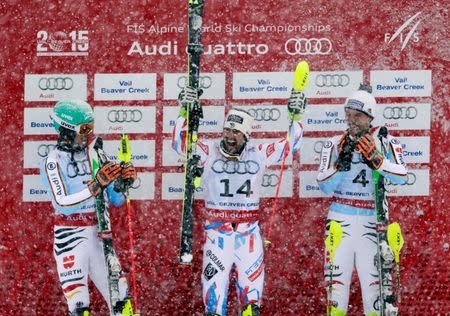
x,y
187,98
367,147
128,173
345,152
105,175
297,105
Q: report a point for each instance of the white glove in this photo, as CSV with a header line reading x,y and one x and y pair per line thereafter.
x,y
187,98
297,105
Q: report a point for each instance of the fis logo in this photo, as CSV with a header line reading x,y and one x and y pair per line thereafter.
x,y
412,23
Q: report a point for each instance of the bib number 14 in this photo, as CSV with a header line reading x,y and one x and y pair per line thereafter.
x,y
245,188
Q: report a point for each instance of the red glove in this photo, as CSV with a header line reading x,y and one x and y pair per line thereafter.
x,y
105,175
129,173
367,147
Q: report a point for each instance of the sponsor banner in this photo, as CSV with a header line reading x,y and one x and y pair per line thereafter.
x,y
126,86
37,121
262,85
302,46
55,87
212,122
142,151
333,84
59,43
417,184
403,116
310,150
33,189
124,119
308,187
401,83
144,187
416,149
270,181
170,158
267,117
324,117
172,187
212,84
35,151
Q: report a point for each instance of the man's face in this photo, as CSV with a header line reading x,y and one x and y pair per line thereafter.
x,y
358,122
233,140
85,134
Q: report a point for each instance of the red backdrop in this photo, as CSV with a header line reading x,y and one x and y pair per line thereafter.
x,y
362,37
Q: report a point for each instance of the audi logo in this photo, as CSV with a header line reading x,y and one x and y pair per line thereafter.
x,y
265,114
308,46
204,82
45,149
400,112
270,180
410,180
78,168
122,116
233,166
332,80
55,83
136,184
318,146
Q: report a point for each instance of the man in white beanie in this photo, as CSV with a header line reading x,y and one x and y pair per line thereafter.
x,y
346,171
233,171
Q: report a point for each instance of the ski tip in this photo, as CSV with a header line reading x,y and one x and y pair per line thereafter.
x,y
301,76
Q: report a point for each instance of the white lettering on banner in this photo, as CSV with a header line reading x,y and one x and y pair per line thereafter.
x,y
142,151
401,83
37,121
55,87
124,119
127,86
403,116
212,84
411,35
212,122
333,84
171,49
75,43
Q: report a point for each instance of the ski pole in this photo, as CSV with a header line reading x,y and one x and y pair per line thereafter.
x,y
124,156
332,243
301,76
395,240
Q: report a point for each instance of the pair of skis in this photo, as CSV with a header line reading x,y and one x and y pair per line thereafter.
x,y
104,230
389,243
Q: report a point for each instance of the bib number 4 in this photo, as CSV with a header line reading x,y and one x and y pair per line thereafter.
x,y
361,178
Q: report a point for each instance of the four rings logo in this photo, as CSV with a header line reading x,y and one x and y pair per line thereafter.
x,y
308,46
45,149
400,112
318,146
410,180
122,116
233,166
270,180
332,80
205,82
265,114
78,168
55,83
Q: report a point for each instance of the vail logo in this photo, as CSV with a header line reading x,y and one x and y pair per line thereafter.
x,y
389,38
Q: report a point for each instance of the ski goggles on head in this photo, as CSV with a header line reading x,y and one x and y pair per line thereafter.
x,y
85,129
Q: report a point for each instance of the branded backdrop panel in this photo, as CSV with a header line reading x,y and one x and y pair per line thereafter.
x,y
128,60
